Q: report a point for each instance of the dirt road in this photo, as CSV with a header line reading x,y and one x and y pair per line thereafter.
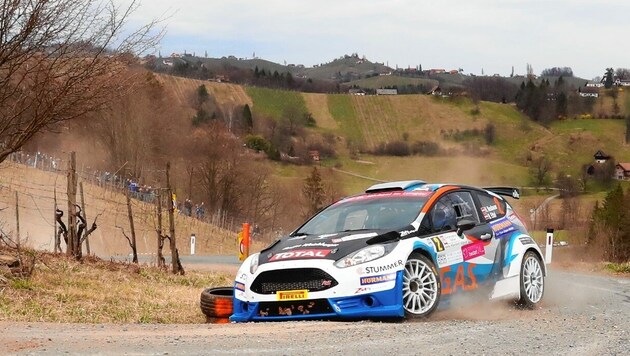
x,y
582,315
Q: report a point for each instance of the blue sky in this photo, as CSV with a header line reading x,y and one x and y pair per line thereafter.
x,y
495,35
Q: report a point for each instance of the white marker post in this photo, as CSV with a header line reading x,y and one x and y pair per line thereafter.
x,y
192,244
549,246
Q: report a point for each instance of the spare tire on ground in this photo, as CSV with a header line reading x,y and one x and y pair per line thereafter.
x,y
217,302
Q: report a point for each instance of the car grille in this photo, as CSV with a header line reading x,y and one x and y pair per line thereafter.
x,y
294,308
311,279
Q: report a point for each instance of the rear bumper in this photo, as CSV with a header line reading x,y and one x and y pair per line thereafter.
x,y
383,304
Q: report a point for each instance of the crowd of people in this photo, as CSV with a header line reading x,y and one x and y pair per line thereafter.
x,y
37,160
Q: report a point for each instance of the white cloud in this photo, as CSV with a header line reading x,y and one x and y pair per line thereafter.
x,y
493,34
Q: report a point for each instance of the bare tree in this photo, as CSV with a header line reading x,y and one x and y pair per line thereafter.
x,y
61,59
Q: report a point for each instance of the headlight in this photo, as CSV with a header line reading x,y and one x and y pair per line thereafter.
x,y
366,254
253,263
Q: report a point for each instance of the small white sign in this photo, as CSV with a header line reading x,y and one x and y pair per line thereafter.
x,y
192,244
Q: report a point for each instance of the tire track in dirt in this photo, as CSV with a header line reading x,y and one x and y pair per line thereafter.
x,y
317,104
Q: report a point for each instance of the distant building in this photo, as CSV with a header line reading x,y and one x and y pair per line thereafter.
x,y
355,91
622,171
386,91
589,92
437,91
622,83
437,71
601,157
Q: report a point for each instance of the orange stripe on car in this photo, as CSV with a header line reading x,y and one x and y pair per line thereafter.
x,y
436,196
498,203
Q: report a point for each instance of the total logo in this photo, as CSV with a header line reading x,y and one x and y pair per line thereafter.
x,y
291,255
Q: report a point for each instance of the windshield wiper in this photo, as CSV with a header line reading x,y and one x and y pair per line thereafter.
x,y
383,238
300,234
353,230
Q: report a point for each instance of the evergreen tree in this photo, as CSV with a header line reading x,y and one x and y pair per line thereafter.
x,y
608,78
561,104
247,118
593,223
202,95
313,191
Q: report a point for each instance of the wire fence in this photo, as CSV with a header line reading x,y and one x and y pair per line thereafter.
x,y
43,192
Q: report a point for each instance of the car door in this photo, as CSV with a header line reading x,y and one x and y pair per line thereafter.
x,y
492,213
461,258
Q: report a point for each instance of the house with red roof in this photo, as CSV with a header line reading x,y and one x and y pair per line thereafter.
x,y
622,171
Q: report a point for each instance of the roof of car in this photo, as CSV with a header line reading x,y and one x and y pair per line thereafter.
x,y
413,185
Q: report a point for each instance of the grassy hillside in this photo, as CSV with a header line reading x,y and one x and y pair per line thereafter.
x,y
184,90
365,122
382,81
273,102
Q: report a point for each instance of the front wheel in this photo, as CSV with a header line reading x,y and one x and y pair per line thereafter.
x,y
532,281
420,287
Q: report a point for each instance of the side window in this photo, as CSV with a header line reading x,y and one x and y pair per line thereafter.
x,y
451,208
491,207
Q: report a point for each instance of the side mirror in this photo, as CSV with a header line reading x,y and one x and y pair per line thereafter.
x,y
464,225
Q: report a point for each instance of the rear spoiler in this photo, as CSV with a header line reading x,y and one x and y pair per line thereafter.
x,y
505,191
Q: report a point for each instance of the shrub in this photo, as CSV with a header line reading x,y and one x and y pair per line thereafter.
x,y
257,142
425,148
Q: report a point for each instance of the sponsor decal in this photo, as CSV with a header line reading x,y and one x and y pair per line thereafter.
x,y
460,279
443,242
379,269
311,244
243,277
354,237
489,212
378,279
526,240
448,258
406,232
239,286
502,227
491,208
473,250
290,255
362,290
292,294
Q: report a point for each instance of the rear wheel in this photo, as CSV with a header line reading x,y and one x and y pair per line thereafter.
x,y
532,281
420,287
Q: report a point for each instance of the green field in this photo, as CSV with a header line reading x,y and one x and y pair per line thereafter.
x,y
341,109
273,103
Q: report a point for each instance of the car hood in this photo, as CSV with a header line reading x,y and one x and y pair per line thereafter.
x,y
329,246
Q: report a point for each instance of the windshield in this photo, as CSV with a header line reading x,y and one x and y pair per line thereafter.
x,y
379,211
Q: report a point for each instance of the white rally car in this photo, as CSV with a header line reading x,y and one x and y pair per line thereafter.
x,y
398,250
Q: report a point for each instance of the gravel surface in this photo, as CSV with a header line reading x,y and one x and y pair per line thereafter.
x,y
581,315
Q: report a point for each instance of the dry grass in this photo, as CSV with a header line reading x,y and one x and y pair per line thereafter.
x,y
96,291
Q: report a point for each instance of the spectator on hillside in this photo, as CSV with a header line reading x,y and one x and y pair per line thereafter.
x,y
188,207
199,211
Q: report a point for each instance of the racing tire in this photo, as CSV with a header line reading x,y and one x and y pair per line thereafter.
x,y
217,302
532,281
421,288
